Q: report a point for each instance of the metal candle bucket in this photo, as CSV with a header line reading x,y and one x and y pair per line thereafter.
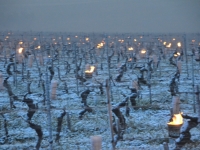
x,y
174,130
88,74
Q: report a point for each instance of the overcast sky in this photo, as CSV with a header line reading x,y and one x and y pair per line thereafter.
x,y
154,16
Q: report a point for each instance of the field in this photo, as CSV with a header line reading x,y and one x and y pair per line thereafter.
x,y
54,106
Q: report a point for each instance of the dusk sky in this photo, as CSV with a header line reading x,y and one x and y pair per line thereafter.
x,y
152,16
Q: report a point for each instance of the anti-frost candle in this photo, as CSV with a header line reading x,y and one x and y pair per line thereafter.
x,y
20,55
53,89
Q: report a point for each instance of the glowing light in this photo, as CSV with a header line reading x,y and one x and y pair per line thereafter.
x,y
100,45
177,54
91,69
35,39
164,43
130,59
179,44
68,39
121,40
135,40
20,50
169,45
130,48
7,37
87,39
76,36
143,51
193,41
38,47
173,39
141,37
20,42
176,120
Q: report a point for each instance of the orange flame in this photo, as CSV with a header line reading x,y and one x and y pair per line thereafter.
x,y
177,120
130,48
20,50
91,69
130,59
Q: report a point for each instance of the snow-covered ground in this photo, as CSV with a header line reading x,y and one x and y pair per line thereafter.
x,y
146,126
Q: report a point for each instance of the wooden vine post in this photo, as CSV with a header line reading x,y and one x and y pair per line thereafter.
x,y
198,102
48,110
110,111
193,89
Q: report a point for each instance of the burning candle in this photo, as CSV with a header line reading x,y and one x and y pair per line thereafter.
x,y
20,55
142,53
53,89
89,72
175,125
96,142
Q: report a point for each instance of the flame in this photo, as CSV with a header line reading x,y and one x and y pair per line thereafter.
x,y
169,45
68,39
130,48
179,44
143,51
177,120
173,39
87,39
177,54
38,47
91,69
35,39
130,59
20,50
20,42
100,45
164,43
135,40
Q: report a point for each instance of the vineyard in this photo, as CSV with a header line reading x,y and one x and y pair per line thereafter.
x,y
65,90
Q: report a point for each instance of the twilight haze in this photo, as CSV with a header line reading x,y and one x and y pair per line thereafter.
x,y
152,16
